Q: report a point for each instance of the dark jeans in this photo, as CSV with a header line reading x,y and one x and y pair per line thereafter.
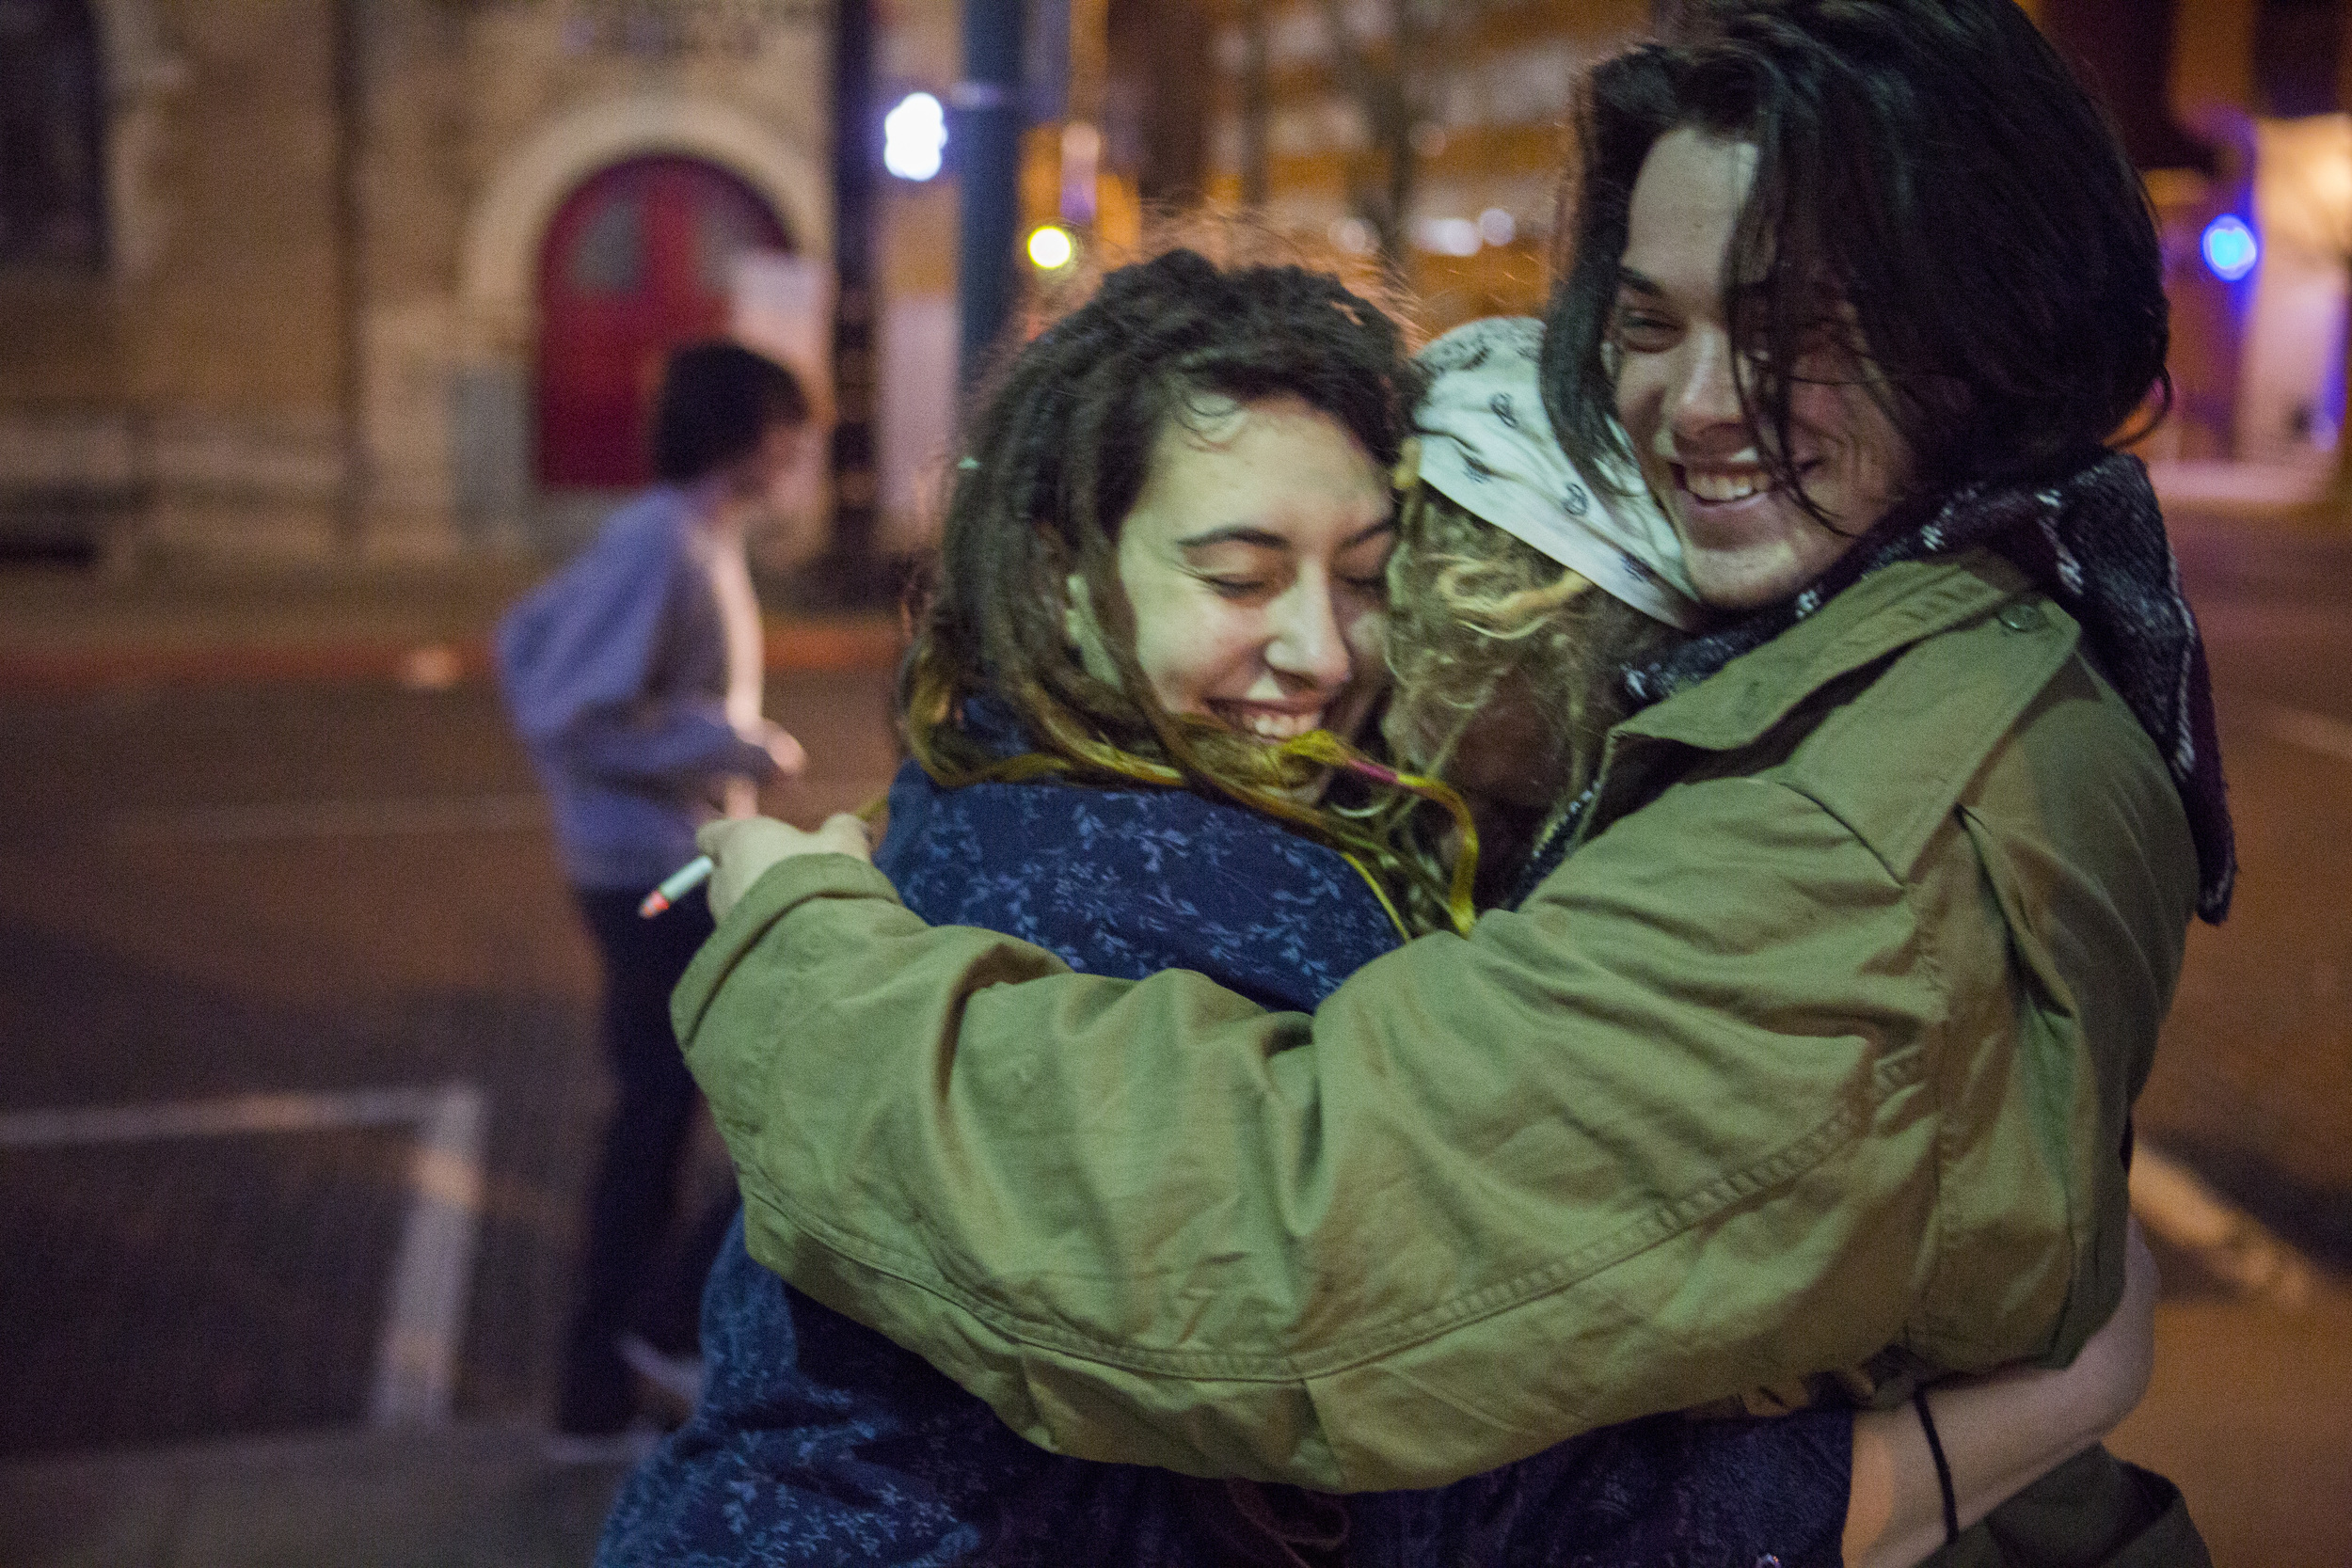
x,y
638,1271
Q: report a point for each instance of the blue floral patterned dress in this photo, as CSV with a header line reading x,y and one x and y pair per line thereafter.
x,y
818,1441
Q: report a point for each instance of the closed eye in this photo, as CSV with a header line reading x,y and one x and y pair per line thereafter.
x,y
1364,564
1236,588
1641,331
1636,324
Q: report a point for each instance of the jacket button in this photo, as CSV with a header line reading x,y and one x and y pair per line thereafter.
x,y
2022,616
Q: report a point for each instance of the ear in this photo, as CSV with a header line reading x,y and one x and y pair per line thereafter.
x,y
1085,631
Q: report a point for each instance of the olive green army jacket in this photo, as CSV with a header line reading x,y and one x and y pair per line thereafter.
x,y
1816,1049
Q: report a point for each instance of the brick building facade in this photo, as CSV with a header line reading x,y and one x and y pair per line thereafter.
x,y
272,271
288,279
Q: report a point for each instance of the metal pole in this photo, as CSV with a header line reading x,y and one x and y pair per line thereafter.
x,y
1255,105
350,98
856,486
987,139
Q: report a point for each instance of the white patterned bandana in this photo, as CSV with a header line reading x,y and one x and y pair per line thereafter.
x,y
1486,445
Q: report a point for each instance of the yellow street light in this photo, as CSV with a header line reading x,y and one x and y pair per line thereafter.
x,y
1051,247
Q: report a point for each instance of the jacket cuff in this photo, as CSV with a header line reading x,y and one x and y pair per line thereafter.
x,y
781,889
789,883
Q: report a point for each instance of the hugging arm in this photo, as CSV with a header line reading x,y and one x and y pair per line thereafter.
x,y
1677,1121
2000,1432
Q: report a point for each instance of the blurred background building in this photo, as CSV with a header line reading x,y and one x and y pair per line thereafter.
x,y
337,279
2235,111
295,277
1434,137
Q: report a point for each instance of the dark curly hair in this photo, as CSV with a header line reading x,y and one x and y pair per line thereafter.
x,y
1929,165
1056,457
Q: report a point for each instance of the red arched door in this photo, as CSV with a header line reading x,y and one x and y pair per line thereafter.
x,y
637,261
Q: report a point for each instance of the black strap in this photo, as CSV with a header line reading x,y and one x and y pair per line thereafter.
x,y
1943,1466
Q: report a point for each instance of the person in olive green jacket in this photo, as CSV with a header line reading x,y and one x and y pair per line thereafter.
x,y
1812,1049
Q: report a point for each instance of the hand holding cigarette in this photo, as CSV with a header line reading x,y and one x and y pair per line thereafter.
x,y
741,849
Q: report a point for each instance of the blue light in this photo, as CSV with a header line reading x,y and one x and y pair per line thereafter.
x,y
914,137
2230,249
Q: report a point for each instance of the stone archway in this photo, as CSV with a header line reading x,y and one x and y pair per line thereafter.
x,y
499,267
492,484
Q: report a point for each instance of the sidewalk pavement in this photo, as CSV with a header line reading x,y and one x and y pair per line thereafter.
x,y
2277,493
453,1496
425,627
462,1496
2250,1414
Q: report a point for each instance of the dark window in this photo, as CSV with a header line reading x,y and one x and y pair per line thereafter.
x,y
1155,115
2123,49
2299,47
52,176
610,258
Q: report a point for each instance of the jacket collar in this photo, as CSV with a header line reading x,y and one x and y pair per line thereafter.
x,y
1890,610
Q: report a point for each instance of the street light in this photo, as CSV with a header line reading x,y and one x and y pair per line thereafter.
x,y
914,137
1051,247
2230,249
1447,236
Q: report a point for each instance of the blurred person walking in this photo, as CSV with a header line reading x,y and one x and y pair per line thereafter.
x,y
633,676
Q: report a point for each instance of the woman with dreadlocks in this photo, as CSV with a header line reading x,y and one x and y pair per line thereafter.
x,y
1811,1052
1159,608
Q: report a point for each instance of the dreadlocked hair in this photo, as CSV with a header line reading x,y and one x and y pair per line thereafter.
x,y
1054,457
1472,608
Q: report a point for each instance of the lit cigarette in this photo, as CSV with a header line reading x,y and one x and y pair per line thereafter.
x,y
685,880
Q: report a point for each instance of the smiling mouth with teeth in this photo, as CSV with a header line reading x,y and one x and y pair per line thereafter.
x,y
1720,488
1267,724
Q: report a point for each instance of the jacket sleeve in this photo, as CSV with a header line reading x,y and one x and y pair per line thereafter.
x,y
582,664
1669,1130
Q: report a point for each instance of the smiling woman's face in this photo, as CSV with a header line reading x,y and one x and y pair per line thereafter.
x,y
1748,541
1254,562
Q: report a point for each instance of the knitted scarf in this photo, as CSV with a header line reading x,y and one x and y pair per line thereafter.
x,y
2095,542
